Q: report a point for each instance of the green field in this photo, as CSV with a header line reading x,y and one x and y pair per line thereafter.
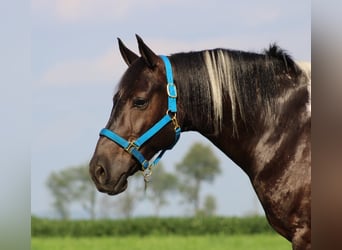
x,y
210,242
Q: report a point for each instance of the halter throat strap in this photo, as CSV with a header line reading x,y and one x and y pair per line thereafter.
x,y
132,147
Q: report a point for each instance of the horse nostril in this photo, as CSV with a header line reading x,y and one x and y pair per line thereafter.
x,y
100,174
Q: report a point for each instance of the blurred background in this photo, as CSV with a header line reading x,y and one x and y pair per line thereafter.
x,y
59,67
76,64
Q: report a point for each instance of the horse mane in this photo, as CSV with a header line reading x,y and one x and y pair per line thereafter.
x,y
282,55
206,79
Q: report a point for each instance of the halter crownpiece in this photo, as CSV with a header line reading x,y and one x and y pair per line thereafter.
x,y
132,147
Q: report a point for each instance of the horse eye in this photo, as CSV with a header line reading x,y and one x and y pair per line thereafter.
x,y
140,103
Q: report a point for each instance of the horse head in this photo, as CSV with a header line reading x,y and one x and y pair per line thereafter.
x,y
139,103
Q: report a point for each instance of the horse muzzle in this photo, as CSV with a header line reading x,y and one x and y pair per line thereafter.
x,y
108,178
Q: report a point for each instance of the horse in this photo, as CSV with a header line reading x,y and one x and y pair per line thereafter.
x,y
254,107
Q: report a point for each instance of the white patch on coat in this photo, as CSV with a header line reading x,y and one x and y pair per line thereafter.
x,y
220,75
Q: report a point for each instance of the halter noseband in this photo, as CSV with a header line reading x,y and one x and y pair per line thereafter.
x,y
132,147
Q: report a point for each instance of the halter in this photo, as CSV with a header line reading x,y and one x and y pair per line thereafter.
x,y
132,147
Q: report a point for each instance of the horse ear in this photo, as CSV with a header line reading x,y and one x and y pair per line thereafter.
x,y
128,55
147,54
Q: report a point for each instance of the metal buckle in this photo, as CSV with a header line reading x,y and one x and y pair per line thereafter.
x,y
175,122
131,146
173,117
174,90
147,173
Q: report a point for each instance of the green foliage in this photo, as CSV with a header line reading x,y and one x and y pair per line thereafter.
x,y
199,163
170,242
209,206
149,226
165,242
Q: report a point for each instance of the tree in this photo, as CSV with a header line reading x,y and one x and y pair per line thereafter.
x,y
126,203
72,185
123,205
59,189
209,206
161,185
198,165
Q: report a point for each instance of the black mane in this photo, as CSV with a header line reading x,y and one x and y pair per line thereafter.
x,y
274,51
246,78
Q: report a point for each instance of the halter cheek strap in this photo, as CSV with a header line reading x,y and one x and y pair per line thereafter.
x,y
132,147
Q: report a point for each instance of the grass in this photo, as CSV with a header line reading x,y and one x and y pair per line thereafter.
x,y
209,242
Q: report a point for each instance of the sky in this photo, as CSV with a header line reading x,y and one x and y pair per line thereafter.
x,y
76,64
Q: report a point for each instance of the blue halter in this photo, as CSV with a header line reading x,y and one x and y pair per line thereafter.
x,y
132,147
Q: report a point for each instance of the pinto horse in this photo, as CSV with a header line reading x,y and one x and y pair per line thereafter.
x,y
256,108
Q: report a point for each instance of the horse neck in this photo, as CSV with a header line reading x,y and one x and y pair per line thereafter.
x,y
213,103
